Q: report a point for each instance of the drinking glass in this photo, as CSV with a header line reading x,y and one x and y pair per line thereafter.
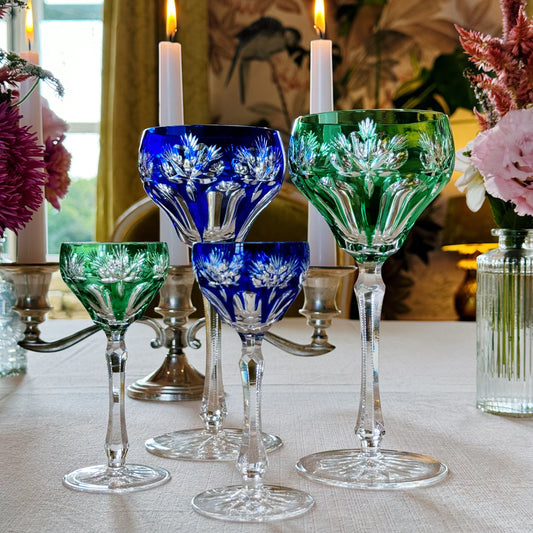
x,y
212,181
115,282
251,285
371,173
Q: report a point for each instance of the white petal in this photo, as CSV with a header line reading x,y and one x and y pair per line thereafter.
x,y
475,196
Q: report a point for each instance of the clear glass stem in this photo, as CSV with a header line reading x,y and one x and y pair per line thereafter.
x,y
252,461
116,442
370,290
213,408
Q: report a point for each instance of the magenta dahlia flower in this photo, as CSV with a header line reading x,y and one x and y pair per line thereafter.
x,y
57,160
21,171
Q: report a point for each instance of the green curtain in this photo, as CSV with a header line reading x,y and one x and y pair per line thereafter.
x,y
132,31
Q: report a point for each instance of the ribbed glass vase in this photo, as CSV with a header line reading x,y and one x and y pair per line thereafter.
x,y
505,325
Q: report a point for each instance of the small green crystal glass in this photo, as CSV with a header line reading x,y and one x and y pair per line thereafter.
x,y
115,282
370,174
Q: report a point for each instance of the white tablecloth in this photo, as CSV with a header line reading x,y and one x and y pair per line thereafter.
x,y
53,420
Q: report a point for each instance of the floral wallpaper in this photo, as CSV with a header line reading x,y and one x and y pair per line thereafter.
x,y
259,51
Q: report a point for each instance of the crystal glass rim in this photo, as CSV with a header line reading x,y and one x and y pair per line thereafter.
x,y
208,130
252,245
112,243
350,116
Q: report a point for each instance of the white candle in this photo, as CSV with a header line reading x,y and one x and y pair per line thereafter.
x,y
322,244
171,113
32,241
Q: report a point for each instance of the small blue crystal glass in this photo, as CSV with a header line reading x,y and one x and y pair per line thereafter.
x,y
212,181
251,285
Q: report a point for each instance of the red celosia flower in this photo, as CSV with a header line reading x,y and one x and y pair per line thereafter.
x,y
57,160
506,81
21,175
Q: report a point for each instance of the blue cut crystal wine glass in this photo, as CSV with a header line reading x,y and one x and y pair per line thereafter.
x,y
251,285
212,181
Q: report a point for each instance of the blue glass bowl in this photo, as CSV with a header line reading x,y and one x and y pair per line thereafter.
x,y
212,180
251,285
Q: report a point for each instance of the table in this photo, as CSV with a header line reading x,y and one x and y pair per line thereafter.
x,y
53,420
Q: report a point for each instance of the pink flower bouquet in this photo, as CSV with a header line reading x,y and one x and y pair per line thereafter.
x,y
499,161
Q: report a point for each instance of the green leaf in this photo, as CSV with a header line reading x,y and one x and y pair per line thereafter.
x,y
505,215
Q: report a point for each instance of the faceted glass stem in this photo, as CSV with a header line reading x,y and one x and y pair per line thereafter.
x,y
370,290
116,443
213,407
252,461
252,501
371,467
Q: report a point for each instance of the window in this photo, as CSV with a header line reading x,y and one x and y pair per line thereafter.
x,y
3,34
70,35
68,38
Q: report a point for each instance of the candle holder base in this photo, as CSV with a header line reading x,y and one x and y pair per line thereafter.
x,y
175,380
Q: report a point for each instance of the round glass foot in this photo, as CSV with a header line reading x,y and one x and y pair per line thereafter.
x,y
199,445
238,504
386,470
127,478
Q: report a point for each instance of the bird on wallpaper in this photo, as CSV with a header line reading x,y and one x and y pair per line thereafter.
x,y
259,42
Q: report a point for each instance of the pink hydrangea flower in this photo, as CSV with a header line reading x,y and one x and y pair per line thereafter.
x,y
504,156
21,174
53,126
57,160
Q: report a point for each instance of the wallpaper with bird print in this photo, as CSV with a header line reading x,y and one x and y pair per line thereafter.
x,y
259,51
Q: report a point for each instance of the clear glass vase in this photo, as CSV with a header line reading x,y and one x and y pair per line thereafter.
x,y
505,325
13,359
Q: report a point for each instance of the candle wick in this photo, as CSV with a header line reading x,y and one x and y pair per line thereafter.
x,y
29,45
173,35
320,33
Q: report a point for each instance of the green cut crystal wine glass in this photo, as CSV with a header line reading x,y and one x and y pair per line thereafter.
x,y
115,282
371,173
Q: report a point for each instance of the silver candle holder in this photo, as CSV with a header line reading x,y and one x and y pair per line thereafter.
x,y
30,283
175,379
320,307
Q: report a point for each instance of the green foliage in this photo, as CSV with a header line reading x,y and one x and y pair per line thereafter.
x,y
76,219
505,215
441,88
16,69
348,11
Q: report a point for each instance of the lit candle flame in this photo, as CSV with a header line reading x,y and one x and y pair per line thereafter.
x,y
29,24
171,19
320,18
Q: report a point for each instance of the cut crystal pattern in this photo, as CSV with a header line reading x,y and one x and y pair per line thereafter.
x,y
212,181
114,281
250,284
370,183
